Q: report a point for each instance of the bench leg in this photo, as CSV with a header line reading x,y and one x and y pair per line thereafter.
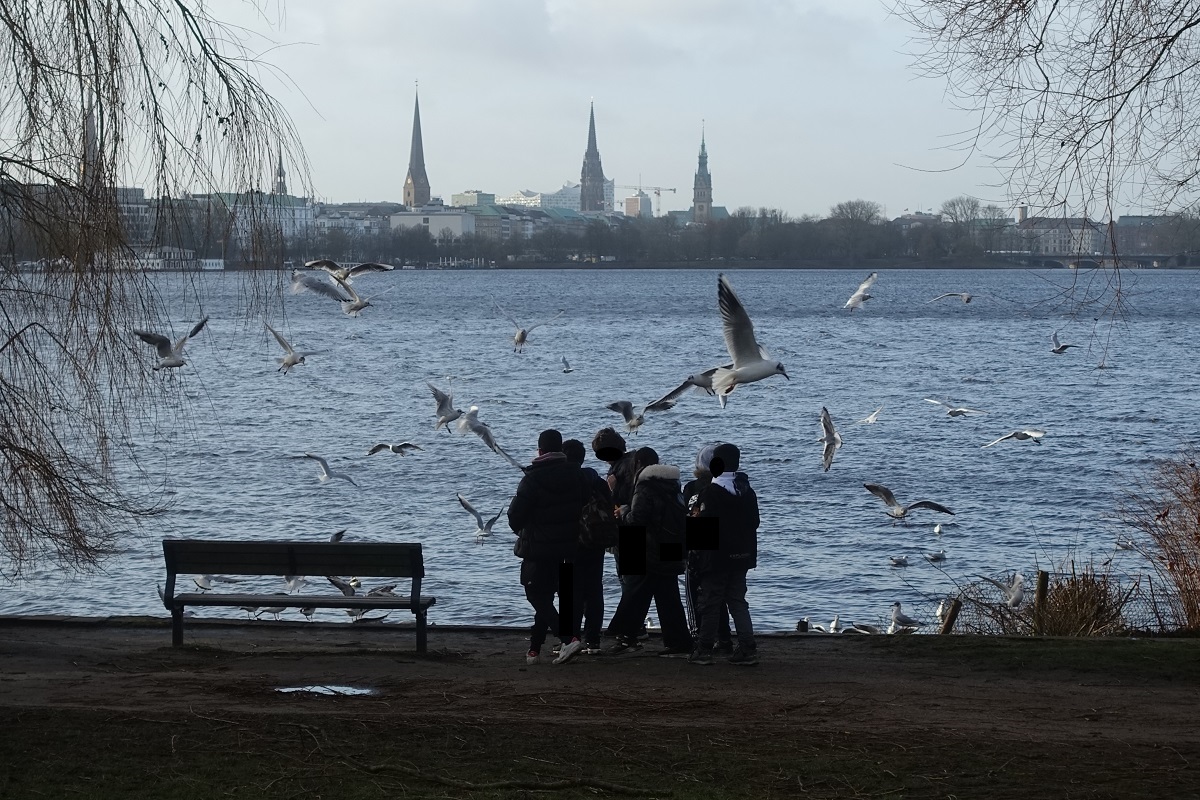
x,y
420,631
177,626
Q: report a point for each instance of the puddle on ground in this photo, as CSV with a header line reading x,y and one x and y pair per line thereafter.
x,y
327,689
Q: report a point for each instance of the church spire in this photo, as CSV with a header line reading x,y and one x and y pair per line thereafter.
x,y
702,188
591,179
416,184
280,176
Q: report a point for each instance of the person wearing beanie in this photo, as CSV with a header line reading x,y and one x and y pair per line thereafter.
x,y
545,514
691,493
732,503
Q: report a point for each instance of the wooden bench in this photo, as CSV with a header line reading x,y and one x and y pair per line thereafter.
x,y
365,559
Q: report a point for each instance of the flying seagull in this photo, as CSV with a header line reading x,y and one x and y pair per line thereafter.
x,y
170,355
954,411
1013,591
830,438
470,422
351,301
482,528
403,449
1020,436
966,297
873,417
347,274
326,473
897,511
750,361
567,365
290,357
522,334
860,295
1055,346
446,412
700,381
634,421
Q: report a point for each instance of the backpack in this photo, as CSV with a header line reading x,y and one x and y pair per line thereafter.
x,y
597,526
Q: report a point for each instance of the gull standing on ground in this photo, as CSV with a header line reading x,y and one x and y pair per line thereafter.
x,y
966,297
1034,436
347,274
897,511
567,365
836,625
902,620
1013,591
750,361
326,473
954,411
522,334
170,355
1056,347
290,357
482,528
860,295
634,421
470,422
830,438
873,417
446,412
403,449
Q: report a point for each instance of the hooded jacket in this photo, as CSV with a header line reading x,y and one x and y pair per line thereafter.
x,y
546,509
737,527
658,504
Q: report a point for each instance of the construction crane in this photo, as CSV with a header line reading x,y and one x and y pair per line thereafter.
x,y
658,190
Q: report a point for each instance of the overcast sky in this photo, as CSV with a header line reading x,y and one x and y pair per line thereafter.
x,y
805,103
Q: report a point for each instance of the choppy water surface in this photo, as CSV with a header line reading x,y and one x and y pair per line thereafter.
x,y
238,470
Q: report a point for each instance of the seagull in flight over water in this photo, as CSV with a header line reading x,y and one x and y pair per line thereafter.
x,y
701,382
634,421
328,474
750,361
347,274
446,412
470,422
522,334
897,511
290,357
860,295
170,355
402,449
567,365
830,438
1056,347
966,297
873,417
954,411
1021,436
482,528
352,302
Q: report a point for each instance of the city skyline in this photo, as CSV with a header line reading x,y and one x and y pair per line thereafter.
x,y
802,105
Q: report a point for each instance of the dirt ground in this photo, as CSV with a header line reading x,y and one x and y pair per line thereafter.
x,y
108,708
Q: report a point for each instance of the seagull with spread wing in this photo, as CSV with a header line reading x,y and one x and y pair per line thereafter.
x,y
402,449
522,334
634,421
351,301
1057,347
291,357
897,511
170,355
954,411
347,274
328,474
1013,592
470,422
750,360
830,438
966,297
482,528
700,381
860,295
446,412
1021,436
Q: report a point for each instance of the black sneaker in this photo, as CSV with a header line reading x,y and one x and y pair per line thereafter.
x,y
674,652
744,658
724,648
701,657
592,649
624,645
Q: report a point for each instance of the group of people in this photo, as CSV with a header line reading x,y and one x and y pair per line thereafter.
x,y
567,516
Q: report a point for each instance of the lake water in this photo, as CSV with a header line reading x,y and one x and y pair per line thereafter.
x,y
237,471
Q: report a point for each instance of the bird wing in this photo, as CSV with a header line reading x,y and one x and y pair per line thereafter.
x,y
369,266
462,501
883,493
492,521
336,536
544,322
662,404
497,448
672,396
1001,439
312,283
738,329
445,402
195,331
827,456
323,263
622,407
161,343
404,446
995,583
938,402
932,506
282,341
506,315
564,363
947,294
345,587
377,448
867,284
1035,435
831,435
324,464
345,285
1054,340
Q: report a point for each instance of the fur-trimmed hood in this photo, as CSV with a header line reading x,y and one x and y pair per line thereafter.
x,y
664,471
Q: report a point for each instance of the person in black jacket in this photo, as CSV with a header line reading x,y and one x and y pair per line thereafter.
x,y
734,505
589,561
691,494
609,447
545,513
656,507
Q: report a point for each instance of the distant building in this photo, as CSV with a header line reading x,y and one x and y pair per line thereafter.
x,y
639,205
1061,236
702,196
472,197
437,220
133,210
568,197
591,178
416,184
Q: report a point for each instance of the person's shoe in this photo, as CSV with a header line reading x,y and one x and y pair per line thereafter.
x,y
569,651
701,657
744,658
644,635
555,650
592,649
724,648
624,645
674,652
533,657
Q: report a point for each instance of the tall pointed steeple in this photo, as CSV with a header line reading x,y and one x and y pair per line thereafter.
x,y
416,185
702,188
280,175
591,179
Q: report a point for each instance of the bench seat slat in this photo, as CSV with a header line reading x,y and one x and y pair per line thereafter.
x,y
297,600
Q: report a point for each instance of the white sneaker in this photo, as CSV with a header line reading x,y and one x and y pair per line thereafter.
x,y
569,651
533,657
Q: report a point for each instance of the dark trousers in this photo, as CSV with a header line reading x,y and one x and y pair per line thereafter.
x,y
589,577
541,580
635,602
724,633
726,586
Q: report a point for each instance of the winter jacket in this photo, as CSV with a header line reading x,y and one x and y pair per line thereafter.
x,y
658,504
546,509
596,485
622,468
737,514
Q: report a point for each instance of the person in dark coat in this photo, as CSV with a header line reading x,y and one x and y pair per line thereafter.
x,y
657,505
732,502
691,493
589,561
609,447
545,513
